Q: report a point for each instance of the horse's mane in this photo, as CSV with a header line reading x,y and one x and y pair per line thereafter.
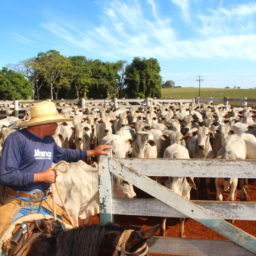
x,y
84,240
87,239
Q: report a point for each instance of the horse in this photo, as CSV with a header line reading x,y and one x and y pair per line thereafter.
x,y
94,240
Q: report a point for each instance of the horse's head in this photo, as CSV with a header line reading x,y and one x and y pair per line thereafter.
x,y
128,242
94,240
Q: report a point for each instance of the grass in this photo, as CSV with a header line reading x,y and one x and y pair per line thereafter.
x,y
189,93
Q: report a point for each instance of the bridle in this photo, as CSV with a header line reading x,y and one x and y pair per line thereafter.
x,y
120,247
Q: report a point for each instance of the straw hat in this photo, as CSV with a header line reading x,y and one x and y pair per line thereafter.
x,y
44,112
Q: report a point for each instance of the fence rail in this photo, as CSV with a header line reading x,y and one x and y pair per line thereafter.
x,y
212,214
18,107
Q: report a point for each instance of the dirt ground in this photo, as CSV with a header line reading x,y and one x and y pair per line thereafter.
x,y
193,229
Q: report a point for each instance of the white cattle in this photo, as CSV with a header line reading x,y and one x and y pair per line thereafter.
x,y
9,121
161,141
78,188
121,147
180,185
199,145
64,134
120,122
103,128
83,136
234,148
144,146
219,135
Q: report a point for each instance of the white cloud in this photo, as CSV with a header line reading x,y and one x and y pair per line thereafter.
x,y
184,6
238,20
22,39
125,32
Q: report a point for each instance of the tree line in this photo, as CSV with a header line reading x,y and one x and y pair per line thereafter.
x,y
50,75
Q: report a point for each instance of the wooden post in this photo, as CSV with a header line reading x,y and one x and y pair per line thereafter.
x,y
226,101
244,102
16,108
83,103
105,191
197,100
210,100
115,103
147,102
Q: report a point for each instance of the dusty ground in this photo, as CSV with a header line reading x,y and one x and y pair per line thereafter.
x,y
193,229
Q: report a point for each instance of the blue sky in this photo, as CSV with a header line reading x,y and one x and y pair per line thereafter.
x,y
215,39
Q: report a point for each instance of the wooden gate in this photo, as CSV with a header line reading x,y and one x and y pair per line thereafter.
x,y
212,214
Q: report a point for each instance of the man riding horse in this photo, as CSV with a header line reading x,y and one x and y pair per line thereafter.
x,y
26,171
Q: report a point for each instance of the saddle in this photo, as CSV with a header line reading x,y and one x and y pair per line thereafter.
x,y
24,234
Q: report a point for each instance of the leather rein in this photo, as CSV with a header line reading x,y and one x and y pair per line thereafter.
x,y
120,247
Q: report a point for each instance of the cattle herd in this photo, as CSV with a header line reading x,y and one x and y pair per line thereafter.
x,y
166,130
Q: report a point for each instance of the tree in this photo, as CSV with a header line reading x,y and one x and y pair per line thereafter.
x,y
53,71
80,75
121,81
142,78
168,84
14,86
104,79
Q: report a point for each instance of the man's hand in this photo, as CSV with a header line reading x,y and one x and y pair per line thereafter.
x,y
100,150
47,176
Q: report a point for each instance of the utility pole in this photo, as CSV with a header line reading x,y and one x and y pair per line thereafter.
x,y
199,81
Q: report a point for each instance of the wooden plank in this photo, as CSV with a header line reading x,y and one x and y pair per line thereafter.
x,y
195,247
105,192
174,100
153,207
194,167
251,100
188,208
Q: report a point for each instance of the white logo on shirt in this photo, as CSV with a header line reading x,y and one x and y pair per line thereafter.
x,y
42,154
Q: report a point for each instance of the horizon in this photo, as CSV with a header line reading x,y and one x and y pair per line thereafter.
x,y
190,38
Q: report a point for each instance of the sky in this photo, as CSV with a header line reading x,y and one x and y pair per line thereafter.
x,y
213,39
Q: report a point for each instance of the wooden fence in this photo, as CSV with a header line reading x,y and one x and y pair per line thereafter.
x,y
18,107
212,214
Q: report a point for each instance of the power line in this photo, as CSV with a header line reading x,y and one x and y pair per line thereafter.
x,y
199,81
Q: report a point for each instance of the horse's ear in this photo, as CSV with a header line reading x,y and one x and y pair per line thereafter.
x,y
148,233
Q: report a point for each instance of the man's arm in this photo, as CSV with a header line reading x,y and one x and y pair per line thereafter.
x,y
47,176
10,173
100,150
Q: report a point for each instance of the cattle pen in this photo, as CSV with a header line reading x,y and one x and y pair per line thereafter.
x,y
212,214
164,202
19,107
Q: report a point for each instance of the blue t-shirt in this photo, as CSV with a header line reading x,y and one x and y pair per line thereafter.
x,y
24,154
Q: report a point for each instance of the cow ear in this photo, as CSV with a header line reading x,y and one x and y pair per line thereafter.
x,y
164,137
187,137
151,143
94,165
129,141
194,133
191,183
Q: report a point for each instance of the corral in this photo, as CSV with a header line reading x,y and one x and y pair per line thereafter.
x,y
209,213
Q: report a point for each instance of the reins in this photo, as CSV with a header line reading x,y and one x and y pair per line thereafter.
x,y
57,168
120,247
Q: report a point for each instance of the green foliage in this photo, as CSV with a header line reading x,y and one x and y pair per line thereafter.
x,y
14,86
168,84
142,78
52,71
80,76
104,80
